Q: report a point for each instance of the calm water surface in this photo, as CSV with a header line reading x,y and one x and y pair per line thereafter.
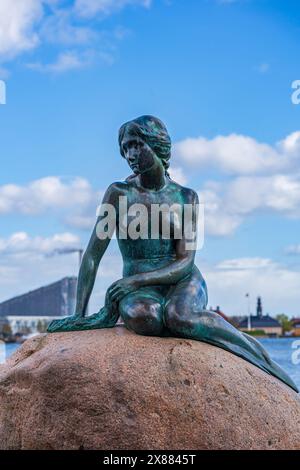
x,y
280,350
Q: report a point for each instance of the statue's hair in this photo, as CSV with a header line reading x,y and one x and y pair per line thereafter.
x,y
153,132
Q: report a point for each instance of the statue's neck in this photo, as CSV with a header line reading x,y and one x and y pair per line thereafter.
x,y
154,178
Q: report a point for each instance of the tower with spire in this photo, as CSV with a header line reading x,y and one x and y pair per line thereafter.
x,y
259,310
270,326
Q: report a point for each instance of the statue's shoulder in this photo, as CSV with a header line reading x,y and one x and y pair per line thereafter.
x,y
114,191
118,187
189,195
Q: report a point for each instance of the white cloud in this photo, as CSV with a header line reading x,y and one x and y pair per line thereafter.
x,y
290,146
68,60
239,154
20,243
18,19
293,250
279,193
245,264
27,24
230,280
228,203
90,8
263,68
60,28
218,219
83,220
264,177
73,201
45,193
178,175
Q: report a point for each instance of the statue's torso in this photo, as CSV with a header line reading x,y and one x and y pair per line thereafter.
x,y
141,255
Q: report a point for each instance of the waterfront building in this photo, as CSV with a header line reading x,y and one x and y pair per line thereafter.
x,y
219,311
31,312
265,323
296,326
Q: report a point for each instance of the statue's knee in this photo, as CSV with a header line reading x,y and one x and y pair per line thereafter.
x,y
174,316
182,320
169,312
144,318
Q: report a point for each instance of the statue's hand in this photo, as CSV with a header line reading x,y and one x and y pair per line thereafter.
x,y
120,288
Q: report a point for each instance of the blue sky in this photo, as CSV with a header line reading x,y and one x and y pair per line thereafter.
x,y
218,73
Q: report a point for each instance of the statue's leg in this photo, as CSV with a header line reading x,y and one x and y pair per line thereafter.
x,y
185,316
142,311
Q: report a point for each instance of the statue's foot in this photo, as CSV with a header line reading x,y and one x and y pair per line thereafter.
x,y
66,324
102,319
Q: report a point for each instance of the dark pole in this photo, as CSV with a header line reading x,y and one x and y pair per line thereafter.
x,y
80,253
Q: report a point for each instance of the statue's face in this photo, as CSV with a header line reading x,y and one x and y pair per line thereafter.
x,y
140,157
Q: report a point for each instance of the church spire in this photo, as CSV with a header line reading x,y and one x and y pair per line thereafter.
x,y
259,311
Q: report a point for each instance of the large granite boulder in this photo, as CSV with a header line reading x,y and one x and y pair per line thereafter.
x,y
112,389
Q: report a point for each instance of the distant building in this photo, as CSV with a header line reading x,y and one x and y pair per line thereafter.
x,y
296,326
40,306
270,326
219,312
235,320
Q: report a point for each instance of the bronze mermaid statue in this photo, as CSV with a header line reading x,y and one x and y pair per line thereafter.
x,y
162,292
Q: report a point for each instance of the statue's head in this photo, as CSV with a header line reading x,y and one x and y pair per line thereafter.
x,y
144,140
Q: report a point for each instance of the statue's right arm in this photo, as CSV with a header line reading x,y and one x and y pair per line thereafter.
x,y
96,248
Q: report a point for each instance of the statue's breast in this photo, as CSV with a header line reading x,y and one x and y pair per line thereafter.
x,y
151,216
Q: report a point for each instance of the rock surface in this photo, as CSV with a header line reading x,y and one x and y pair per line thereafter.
x,y
112,389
